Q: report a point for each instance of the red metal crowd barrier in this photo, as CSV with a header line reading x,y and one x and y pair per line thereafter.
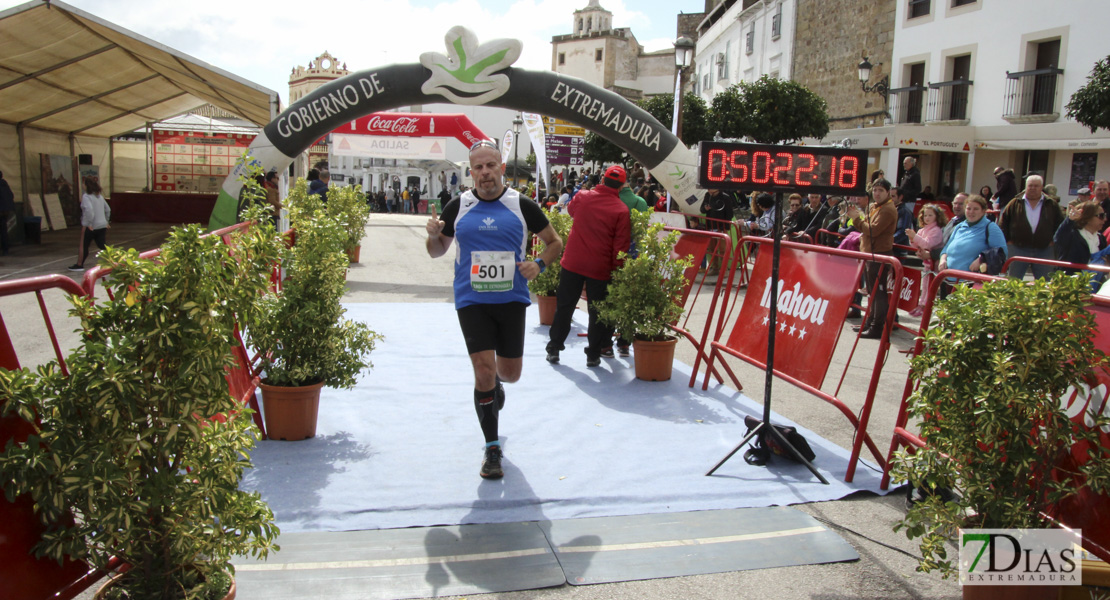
x,y
802,361
695,244
24,577
735,233
1087,513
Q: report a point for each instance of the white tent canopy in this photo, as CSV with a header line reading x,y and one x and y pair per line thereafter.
x,y
69,74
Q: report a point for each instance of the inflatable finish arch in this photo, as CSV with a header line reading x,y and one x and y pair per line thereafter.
x,y
470,74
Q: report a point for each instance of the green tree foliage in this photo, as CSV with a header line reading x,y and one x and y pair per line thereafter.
x,y
1090,104
600,150
695,113
769,111
695,127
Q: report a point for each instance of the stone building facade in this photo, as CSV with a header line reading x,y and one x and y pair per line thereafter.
x,y
831,38
302,81
611,57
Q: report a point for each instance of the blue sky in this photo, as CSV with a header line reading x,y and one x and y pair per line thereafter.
x,y
262,40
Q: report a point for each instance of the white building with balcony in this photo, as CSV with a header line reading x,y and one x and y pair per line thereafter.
x,y
742,40
978,84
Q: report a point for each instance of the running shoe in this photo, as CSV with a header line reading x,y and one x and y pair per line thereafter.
x,y
607,353
491,464
553,357
76,267
623,350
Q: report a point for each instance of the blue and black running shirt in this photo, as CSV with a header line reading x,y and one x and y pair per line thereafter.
x,y
491,237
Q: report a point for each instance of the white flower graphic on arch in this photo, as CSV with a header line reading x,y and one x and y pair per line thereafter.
x,y
465,75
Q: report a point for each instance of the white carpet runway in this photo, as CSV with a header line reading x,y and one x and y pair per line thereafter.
x,y
403,448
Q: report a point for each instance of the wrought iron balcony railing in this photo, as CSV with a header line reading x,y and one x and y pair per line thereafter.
x,y
907,104
1030,96
948,101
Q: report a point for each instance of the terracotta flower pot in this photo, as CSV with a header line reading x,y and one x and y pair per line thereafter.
x,y
290,412
654,360
102,592
1010,592
547,309
353,253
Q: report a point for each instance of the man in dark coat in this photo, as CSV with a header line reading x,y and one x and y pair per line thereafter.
x,y
911,182
1005,186
1029,223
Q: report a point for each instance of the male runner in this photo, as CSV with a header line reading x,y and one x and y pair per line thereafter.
x,y
492,224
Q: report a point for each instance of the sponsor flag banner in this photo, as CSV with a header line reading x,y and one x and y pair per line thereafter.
x,y
427,148
815,291
533,123
507,146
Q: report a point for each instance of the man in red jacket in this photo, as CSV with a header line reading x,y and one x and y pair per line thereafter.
x,y
600,231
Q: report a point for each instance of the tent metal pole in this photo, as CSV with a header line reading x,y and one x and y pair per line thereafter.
x,y
23,166
111,166
149,158
77,188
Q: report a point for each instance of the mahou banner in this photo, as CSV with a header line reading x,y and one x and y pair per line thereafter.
x,y
815,291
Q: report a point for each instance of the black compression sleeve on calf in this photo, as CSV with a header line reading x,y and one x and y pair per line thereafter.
x,y
486,408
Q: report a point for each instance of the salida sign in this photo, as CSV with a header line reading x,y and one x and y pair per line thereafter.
x,y
815,291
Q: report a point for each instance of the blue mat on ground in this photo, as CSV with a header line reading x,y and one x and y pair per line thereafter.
x,y
403,448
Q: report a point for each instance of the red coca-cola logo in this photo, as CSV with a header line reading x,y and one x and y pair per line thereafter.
x,y
398,125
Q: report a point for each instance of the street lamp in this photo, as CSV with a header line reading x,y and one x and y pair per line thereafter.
x,y
880,87
516,147
683,54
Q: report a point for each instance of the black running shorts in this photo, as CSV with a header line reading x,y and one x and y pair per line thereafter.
x,y
498,327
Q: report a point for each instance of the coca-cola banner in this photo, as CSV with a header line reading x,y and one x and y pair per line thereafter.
x,y
428,148
815,291
909,293
469,73
458,126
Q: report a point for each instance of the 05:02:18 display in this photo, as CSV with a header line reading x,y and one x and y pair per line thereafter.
x,y
785,169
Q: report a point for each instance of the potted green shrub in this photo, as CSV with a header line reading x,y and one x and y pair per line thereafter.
x,y
348,205
546,284
996,364
642,300
138,451
304,340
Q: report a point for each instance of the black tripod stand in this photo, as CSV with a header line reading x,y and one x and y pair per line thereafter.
x,y
765,423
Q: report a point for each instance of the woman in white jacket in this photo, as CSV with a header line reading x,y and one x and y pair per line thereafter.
x,y
95,215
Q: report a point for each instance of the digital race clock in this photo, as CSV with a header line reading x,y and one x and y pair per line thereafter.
x,y
801,169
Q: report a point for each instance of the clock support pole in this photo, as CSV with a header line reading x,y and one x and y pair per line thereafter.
x,y
765,422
